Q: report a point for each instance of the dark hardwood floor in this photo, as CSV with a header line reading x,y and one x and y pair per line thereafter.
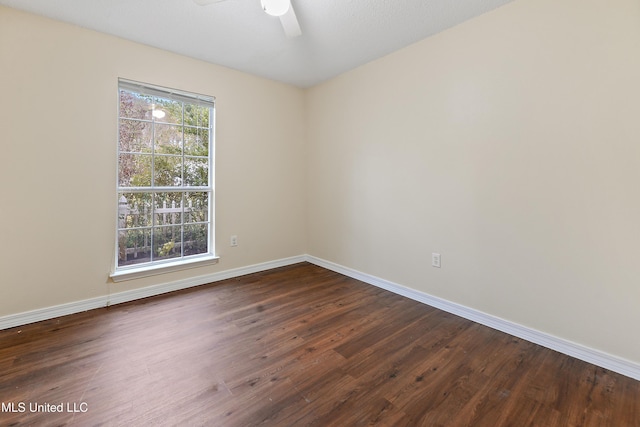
x,y
295,346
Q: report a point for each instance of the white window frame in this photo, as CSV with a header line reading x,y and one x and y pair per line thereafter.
x,y
127,272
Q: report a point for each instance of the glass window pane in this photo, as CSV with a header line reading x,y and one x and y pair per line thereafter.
x,y
135,136
134,170
168,210
196,142
196,207
196,115
196,171
135,106
167,171
196,238
134,210
167,242
167,111
134,246
168,139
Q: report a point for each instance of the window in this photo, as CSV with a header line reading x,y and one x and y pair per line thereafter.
x,y
165,178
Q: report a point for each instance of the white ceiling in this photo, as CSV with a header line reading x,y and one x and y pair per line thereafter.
x,y
337,35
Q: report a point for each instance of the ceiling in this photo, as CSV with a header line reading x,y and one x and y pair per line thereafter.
x,y
337,35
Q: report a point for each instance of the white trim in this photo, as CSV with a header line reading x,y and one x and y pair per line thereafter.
x,y
136,272
149,291
587,354
24,318
47,313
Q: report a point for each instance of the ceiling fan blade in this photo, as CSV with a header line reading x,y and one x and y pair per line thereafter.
x,y
207,2
290,23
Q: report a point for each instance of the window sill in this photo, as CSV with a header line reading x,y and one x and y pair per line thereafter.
x,y
136,272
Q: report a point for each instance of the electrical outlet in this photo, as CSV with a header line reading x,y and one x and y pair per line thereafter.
x,y
435,260
234,240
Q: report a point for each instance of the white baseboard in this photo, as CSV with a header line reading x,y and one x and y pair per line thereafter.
x,y
596,357
590,355
47,313
150,291
19,319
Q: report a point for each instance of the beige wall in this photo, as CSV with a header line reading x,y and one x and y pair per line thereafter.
x,y
510,144
58,171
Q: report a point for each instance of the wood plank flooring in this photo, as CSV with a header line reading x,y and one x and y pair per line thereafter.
x,y
295,346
